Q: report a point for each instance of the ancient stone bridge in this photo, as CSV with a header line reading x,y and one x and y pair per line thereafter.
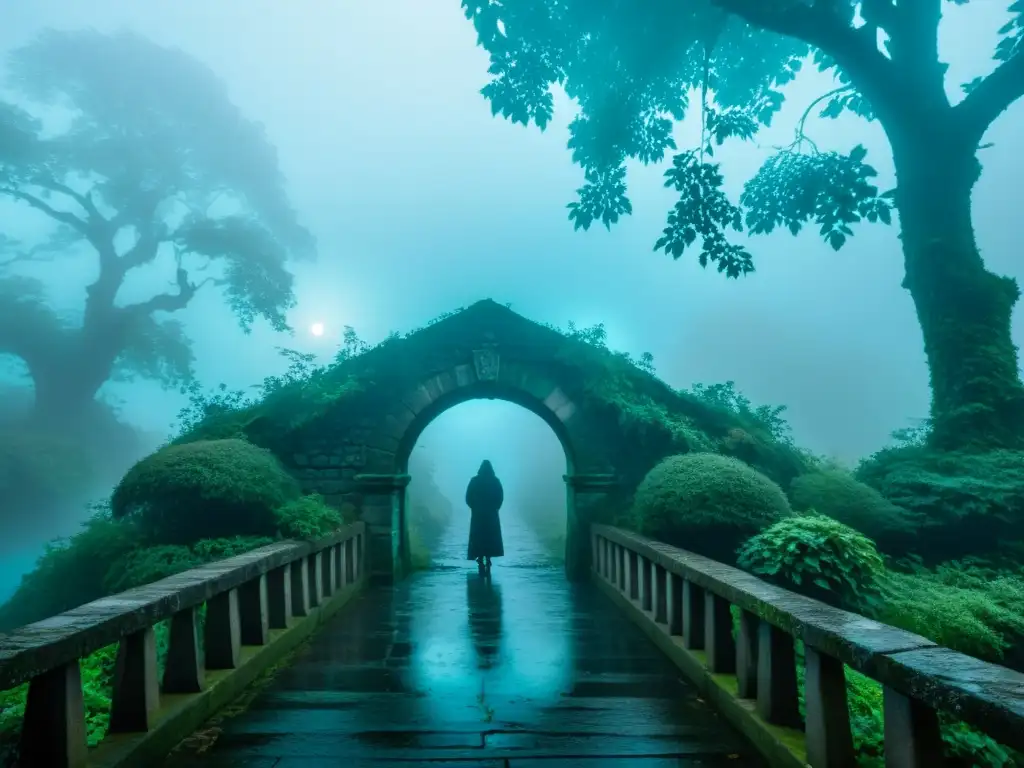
x,y
332,653
639,666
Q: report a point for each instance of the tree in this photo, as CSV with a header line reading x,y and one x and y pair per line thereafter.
x,y
135,155
631,67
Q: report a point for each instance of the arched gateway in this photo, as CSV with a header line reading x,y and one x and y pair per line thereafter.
x,y
357,455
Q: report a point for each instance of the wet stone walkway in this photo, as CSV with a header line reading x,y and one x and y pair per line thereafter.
x,y
450,669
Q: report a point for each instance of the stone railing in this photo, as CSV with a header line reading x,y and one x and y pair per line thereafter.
x,y
258,606
686,602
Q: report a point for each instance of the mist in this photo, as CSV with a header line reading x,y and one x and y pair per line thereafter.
x,y
422,202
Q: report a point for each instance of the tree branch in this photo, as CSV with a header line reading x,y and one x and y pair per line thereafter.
x,y
991,97
86,201
41,205
168,302
819,24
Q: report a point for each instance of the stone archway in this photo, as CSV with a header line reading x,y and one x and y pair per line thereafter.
x,y
359,455
528,384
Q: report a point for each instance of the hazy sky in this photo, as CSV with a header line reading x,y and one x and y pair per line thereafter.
x,y
423,202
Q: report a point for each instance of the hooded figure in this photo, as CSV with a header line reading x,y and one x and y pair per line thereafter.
x,y
484,496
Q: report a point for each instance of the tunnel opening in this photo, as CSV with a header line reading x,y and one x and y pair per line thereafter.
x,y
444,449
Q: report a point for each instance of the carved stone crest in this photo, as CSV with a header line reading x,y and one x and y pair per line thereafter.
x,y
486,362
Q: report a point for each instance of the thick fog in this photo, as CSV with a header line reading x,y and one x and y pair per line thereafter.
x,y
422,202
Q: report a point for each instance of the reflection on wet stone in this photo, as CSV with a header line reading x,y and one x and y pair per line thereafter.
x,y
451,668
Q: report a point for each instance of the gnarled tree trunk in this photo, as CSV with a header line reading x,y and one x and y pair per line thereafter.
x,y
964,310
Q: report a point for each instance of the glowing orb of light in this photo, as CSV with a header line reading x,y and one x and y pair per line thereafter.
x,y
317,329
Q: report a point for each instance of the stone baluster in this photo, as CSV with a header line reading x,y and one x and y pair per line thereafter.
x,y
746,656
829,738
643,566
674,603
53,728
658,605
136,692
327,572
777,699
693,616
279,597
718,640
627,575
316,585
254,623
221,636
339,564
343,564
300,588
183,668
621,563
350,560
912,736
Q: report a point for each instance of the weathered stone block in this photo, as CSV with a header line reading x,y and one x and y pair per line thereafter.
x,y
464,375
321,460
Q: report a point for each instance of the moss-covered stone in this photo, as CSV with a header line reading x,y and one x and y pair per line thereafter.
x,y
203,490
706,503
360,418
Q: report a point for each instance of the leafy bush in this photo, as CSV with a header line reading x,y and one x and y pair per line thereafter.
x,y
148,564
203,490
963,606
707,503
819,557
71,571
307,517
838,494
966,747
967,503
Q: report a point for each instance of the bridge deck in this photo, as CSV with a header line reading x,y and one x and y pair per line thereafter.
x,y
449,669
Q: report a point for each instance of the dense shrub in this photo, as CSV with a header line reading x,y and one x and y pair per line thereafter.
x,y
707,503
307,517
148,564
966,607
816,556
206,489
839,495
968,504
71,571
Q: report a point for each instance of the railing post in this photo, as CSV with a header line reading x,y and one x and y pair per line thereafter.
x,y
136,693
627,584
674,603
718,640
620,567
693,616
643,566
53,729
350,560
254,625
221,635
777,696
659,604
279,597
326,577
183,672
746,656
912,736
316,585
339,562
300,588
343,564
829,738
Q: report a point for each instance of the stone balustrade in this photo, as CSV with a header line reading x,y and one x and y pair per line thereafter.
x,y
685,602
254,602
